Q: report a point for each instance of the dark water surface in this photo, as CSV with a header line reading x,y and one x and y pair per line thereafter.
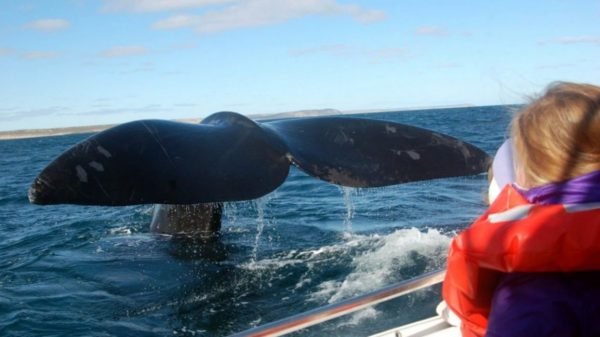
x,y
98,271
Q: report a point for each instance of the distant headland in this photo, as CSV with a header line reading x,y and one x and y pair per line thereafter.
x,y
34,133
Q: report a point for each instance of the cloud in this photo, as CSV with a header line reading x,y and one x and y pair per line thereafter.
x,y
140,6
358,13
20,114
6,52
431,31
574,40
142,68
136,110
256,13
178,21
48,25
29,55
335,50
39,55
123,51
387,54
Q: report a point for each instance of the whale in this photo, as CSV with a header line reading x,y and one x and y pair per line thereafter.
x,y
189,170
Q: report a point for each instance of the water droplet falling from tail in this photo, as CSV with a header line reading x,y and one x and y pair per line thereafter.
x,y
259,205
350,208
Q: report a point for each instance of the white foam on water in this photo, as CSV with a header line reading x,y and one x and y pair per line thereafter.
x,y
308,258
123,230
270,264
188,332
146,210
375,260
380,266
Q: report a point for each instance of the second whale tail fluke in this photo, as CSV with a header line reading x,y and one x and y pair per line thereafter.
x,y
229,157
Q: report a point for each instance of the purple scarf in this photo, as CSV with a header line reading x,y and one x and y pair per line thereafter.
x,y
579,190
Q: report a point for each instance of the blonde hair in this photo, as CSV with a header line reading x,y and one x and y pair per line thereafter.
x,y
557,136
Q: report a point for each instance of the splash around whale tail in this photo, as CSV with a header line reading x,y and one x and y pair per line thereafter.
x,y
229,157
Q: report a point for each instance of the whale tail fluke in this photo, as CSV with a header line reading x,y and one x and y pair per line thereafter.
x,y
229,157
358,152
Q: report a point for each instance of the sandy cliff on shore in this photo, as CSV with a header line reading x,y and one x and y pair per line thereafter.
x,y
33,133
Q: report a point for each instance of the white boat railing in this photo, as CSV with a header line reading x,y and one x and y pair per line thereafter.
x,y
334,310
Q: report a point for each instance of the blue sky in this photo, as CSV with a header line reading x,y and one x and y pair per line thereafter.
x,y
85,62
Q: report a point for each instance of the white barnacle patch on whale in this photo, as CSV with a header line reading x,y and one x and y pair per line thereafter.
x,y
414,154
97,166
390,129
81,174
103,151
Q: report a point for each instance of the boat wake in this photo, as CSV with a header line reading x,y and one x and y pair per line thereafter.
x,y
387,259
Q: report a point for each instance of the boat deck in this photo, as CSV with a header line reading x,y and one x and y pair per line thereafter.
x,y
430,327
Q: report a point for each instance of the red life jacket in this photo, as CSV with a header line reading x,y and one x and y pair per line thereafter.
x,y
514,235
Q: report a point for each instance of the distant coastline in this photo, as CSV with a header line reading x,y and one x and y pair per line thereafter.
x,y
36,133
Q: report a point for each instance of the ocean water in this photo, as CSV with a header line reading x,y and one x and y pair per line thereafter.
x,y
98,271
